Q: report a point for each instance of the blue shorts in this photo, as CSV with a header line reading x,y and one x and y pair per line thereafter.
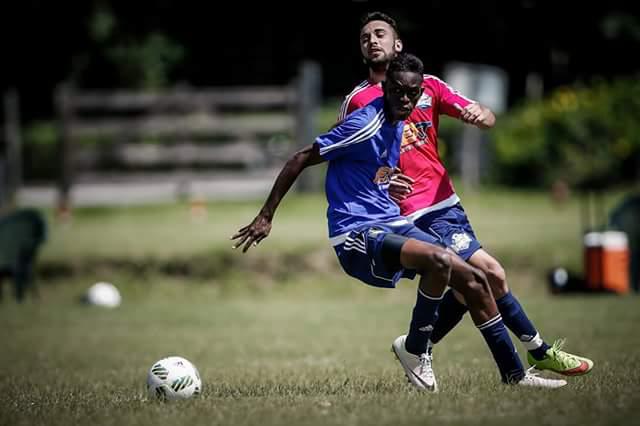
x,y
451,227
360,254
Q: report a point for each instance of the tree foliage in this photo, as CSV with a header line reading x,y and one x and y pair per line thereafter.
x,y
586,136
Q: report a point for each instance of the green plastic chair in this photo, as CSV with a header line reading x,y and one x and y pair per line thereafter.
x,y
21,234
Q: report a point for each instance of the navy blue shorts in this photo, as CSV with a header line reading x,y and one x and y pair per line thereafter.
x,y
451,228
360,254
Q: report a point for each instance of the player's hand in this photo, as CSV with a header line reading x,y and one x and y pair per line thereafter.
x,y
473,113
400,186
252,234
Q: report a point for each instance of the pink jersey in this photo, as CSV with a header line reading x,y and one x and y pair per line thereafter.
x,y
419,156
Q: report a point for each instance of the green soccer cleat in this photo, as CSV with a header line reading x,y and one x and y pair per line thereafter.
x,y
561,362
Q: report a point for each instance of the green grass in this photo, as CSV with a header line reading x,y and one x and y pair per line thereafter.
x,y
310,352
282,336
167,231
522,229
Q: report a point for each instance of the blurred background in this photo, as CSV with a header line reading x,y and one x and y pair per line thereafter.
x,y
131,104
137,137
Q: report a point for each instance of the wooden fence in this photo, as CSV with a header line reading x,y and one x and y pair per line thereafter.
x,y
11,150
245,127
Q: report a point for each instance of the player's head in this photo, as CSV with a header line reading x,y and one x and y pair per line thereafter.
x,y
379,39
403,85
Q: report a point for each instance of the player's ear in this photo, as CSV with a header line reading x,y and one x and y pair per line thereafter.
x,y
398,46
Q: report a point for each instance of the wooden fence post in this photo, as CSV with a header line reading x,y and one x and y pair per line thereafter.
x,y
65,148
14,145
309,94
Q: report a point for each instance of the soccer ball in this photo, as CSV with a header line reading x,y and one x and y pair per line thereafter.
x,y
103,294
173,378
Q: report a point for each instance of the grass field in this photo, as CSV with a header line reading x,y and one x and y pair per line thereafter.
x,y
308,347
522,228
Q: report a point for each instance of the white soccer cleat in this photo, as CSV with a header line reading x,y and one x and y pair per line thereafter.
x,y
533,380
417,368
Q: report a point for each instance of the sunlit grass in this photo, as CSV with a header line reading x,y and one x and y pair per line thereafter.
x,y
314,354
282,336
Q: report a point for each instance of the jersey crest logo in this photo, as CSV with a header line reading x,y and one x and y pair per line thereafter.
x,y
414,134
383,175
424,102
410,134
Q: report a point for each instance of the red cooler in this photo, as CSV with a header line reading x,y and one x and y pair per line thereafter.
x,y
606,261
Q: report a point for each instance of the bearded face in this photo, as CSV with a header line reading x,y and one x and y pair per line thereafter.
x,y
378,44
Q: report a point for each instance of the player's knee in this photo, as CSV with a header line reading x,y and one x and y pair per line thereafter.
x,y
477,283
441,263
497,277
434,261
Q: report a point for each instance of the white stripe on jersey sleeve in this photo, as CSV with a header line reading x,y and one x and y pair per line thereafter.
x,y
345,104
451,89
361,135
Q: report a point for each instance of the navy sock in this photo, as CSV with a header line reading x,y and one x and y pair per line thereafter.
x,y
497,337
517,321
422,321
450,313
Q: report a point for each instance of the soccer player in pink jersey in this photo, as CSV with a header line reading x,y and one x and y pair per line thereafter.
x,y
424,192
374,243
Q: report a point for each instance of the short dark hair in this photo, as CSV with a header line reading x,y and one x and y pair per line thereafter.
x,y
380,16
406,62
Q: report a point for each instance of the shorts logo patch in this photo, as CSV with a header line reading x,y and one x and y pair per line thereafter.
x,y
460,242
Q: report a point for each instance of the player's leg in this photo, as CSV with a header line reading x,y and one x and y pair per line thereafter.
x,y
433,262
512,313
429,260
453,229
433,265
381,257
540,354
451,311
474,287
373,255
450,229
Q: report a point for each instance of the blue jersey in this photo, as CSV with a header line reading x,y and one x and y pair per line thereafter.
x,y
362,152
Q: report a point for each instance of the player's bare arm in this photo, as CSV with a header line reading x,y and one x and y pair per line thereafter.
x,y
260,227
478,115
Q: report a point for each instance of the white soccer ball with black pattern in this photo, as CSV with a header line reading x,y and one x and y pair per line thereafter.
x,y
173,378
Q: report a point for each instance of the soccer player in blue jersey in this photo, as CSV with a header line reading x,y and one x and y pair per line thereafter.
x,y
377,245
